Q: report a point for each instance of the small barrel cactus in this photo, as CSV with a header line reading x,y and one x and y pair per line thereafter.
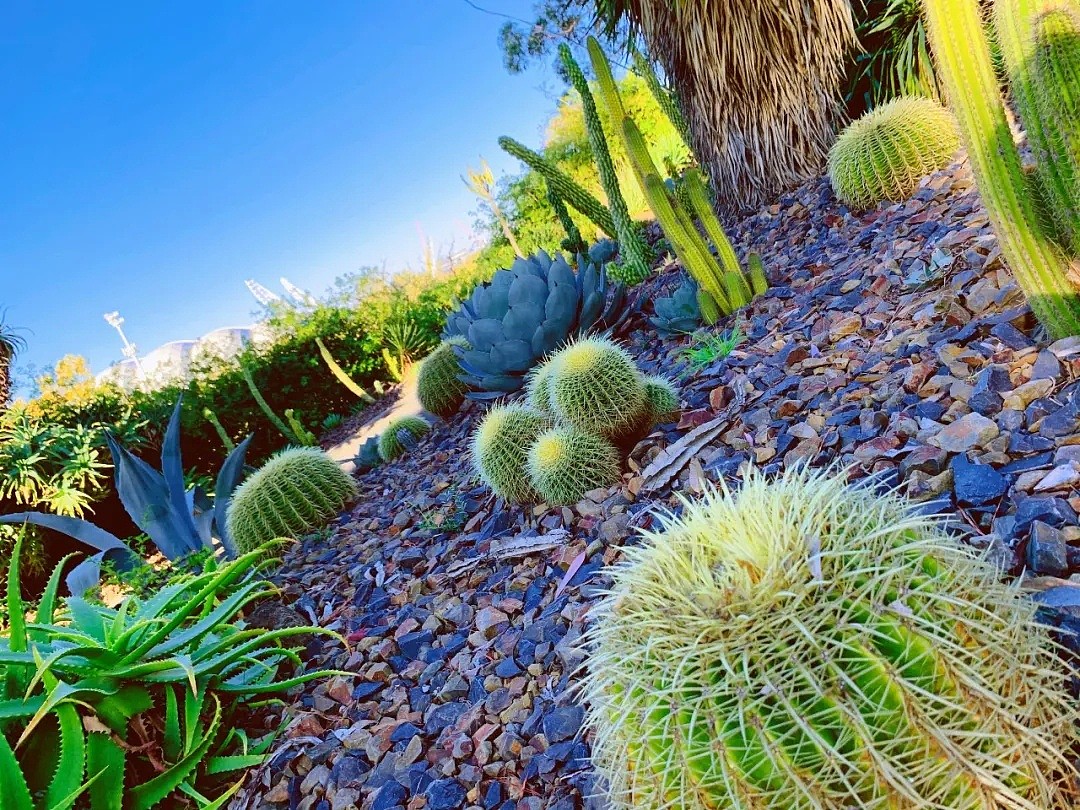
x,y
437,385
884,154
538,388
564,463
663,397
399,434
803,644
596,387
295,492
500,448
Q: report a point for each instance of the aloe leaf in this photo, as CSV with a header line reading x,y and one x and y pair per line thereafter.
x,y
232,471
68,777
87,618
222,613
194,702
20,707
62,693
105,759
117,709
217,803
170,746
146,795
14,793
281,686
46,609
224,764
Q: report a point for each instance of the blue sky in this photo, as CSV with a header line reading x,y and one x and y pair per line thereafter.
x,y
156,155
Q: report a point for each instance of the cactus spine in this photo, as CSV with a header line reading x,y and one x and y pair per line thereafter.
x,y
595,386
564,463
804,645
635,260
967,73
573,242
500,449
562,185
342,376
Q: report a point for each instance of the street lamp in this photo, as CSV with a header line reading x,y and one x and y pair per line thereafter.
x,y
129,351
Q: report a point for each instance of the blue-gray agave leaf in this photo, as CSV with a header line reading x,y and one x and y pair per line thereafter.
x,y
227,481
172,467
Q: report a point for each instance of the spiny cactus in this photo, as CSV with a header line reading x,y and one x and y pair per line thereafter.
x,y
758,282
219,428
596,387
538,388
340,373
565,462
884,154
562,185
801,644
400,434
966,70
437,385
663,397
500,448
303,436
573,243
634,267
644,67
295,492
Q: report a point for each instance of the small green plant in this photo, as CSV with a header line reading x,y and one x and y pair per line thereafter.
x,y
449,518
438,384
805,644
296,491
707,349
565,462
596,386
662,396
400,434
340,373
500,449
304,436
884,154
678,313
226,439
332,421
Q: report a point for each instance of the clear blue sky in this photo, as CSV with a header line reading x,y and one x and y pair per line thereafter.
x,y
156,155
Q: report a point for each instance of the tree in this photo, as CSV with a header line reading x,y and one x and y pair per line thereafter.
x,y
481,182
11,343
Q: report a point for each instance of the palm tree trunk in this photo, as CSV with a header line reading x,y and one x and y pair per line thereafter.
x,y
759,83
5,379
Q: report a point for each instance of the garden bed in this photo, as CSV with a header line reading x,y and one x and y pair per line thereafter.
x,y
895,342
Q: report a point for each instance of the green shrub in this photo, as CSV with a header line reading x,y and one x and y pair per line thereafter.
x,y
805,644
295,492
394,440
596,387
438,386
884,154
500,449
565,462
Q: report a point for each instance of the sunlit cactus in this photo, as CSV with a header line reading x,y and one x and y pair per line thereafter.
x,y
596,387
295,492
437,385
663,397
884,154
538,388
564,463
399,434
804,644
500,449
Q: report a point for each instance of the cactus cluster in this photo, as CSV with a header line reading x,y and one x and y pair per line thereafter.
x,y
884,154
803,644
438,384
723,285
401,434
581,403
1020,214
295,492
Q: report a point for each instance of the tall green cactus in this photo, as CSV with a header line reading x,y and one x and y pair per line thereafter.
x,y
264,406
219,428
645,68
342,375
965,68
633,252
573,242
703,210
563,185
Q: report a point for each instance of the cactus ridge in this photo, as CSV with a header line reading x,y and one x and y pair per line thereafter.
x,y
500,449
390,440
565,462
596,386
802,644
295,492
538,387
884,154
663,397
438,386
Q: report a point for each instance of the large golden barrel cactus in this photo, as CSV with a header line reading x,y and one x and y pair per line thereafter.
x,y
803,644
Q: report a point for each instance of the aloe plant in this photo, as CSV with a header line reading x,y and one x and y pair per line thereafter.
x,y
178,520
76,685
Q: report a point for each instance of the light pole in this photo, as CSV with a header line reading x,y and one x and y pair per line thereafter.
x,y
129,351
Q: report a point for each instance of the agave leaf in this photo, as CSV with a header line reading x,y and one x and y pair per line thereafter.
x,y
228,479
87,574
172,466
201,509
105,761
67,781
521,319
513,355
486,332
14,793
528,289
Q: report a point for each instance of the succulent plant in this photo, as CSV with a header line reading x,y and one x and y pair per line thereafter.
x,y
663,397
401,434
884,154
679,313
523,313
596,387
803,644
573,243
500,448
565,462
368,457
538,388
437,385
295,492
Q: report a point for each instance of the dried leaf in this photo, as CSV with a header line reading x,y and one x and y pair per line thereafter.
x,y
668,464
569,575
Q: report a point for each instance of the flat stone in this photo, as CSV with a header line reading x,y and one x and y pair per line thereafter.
x,y
1047,551
1061,477
966,433
445,794
976,484
562,723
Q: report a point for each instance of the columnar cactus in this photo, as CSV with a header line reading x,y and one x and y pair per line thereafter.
x,y
399,434
801,644
438,386
884,154
295,492
565,462
960,47
632,248
573,243
500,449
596,387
